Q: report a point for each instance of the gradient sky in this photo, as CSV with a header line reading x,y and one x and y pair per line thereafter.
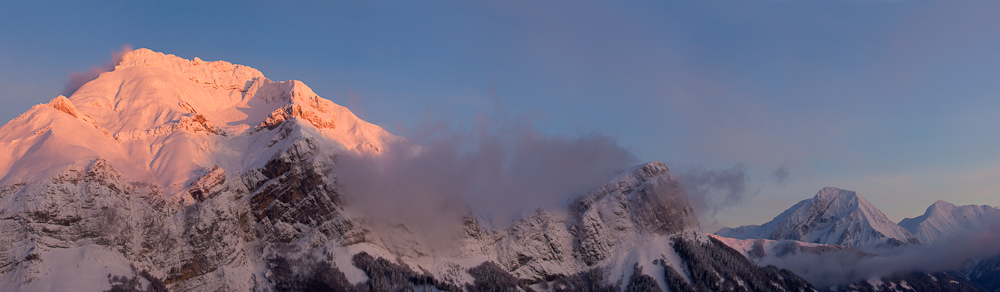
x,y
897,100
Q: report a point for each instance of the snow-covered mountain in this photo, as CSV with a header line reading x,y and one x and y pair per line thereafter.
x,y
945,225
188,175
943,219
162,119
833,216
824,238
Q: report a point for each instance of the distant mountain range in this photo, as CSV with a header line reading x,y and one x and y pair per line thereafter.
x,y
839,226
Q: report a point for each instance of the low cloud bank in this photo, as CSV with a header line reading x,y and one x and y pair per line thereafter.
x,y
844,267
499,169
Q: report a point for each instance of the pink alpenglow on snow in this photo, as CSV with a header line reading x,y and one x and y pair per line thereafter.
x,y
161,119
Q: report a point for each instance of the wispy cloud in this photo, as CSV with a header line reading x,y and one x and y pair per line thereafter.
x,y
712,190
77,79
780,174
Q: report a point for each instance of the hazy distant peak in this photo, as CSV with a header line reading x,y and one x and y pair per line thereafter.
x,y
832,216
943,219
939,208
940,205
834,191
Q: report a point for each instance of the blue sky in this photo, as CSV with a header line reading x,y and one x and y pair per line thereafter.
x,y
897,100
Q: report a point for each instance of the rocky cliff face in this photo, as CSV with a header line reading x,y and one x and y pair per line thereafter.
x,y
209,244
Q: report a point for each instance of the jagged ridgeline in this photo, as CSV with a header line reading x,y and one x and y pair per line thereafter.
x,y
187,175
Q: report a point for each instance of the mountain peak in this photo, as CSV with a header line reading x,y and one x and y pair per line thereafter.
x,y
940,208
833,193
833,216
943,219
940,204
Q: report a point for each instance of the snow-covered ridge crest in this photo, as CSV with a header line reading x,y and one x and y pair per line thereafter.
x,y
220,74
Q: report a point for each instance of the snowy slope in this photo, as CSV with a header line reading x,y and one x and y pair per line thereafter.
x,y
833,216
943,219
